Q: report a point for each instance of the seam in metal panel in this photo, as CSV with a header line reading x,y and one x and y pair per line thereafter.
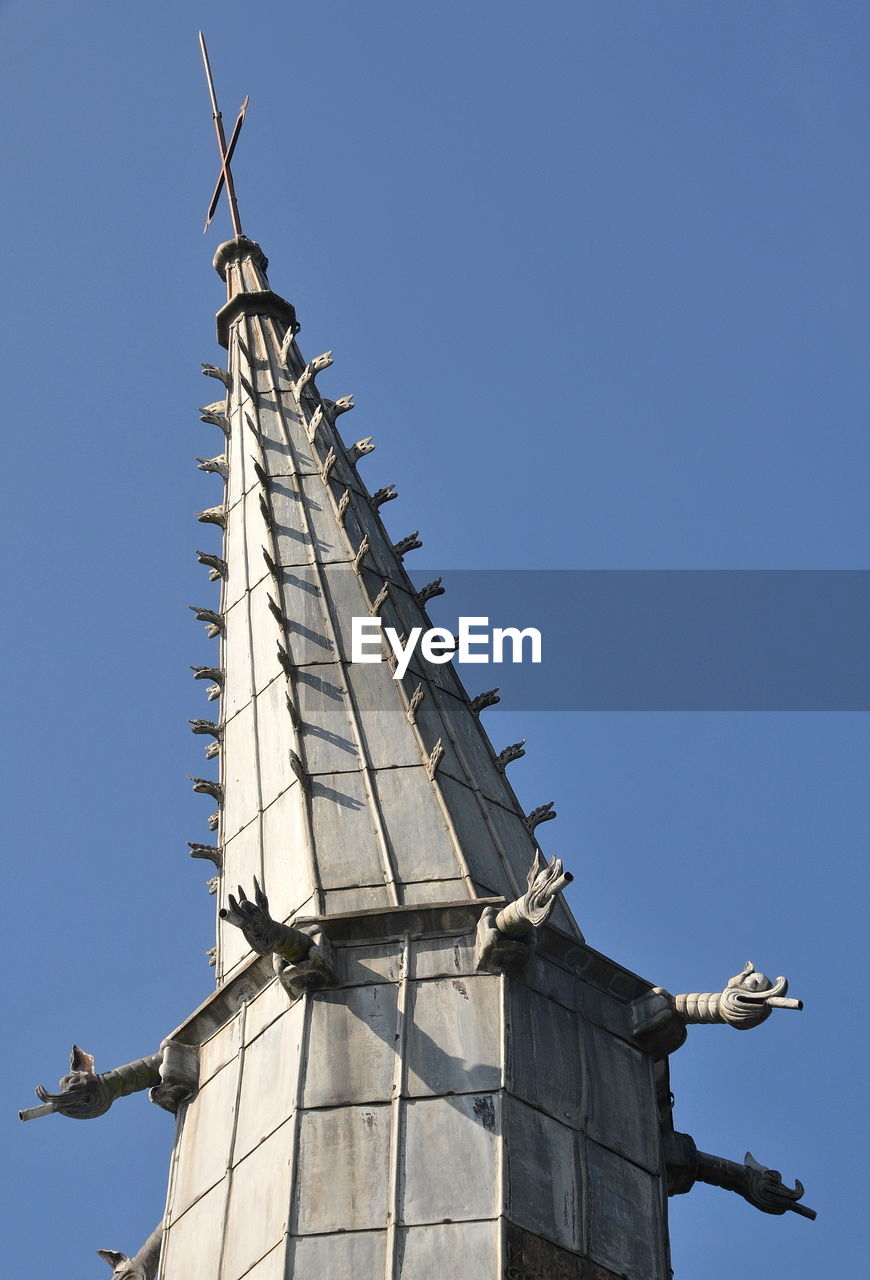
x,y
396,1112
232,1146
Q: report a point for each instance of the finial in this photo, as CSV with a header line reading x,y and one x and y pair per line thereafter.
x,y
386,494
226,152
361,448
509,754
483,700
543,813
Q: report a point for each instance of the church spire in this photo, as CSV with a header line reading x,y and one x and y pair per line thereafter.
x,y
341,788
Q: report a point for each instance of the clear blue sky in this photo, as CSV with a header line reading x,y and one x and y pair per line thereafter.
x,y
598,277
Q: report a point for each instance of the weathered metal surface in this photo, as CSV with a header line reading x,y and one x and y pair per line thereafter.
x,y
351,1047
624,1225
543,1192
192,1243
205,1139
458,1250
258,1204
621,1109
545,1055
343,1170
270,1074
459,1178
454,1042
351,1255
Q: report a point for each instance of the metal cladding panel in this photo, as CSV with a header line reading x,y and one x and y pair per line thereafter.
x,y
360,899
352,1255
258,1205
480,843
275,727
286,860
272,1267
343,1169
270,1073
238,671
553,981
545,1055
420,892
352,1046
543,1193
454,1036
348,851
219,1049
442,957
192,1243
625,1230
418,835
378,963
266,634
240,774
451,1159
452,1251
621,1108
269,1003
205,1139
328,743
388,737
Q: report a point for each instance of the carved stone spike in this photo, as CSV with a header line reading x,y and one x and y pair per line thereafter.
x,y
384,495
299,769
343,504
212,415
277,612
286,345
285,660
361,553
206,787
328,464
208,852
293,712
214,820
213,371
747,1001
85,1094
213,691
253,427
414,703
265,511
206,726
483,700
209,673
214,620
248,387
430,591
361,448
410,543
313,423
337,407
217,465
513,752
546,880
211,956
213,515
271,565
212,751
380,600
260,473
434,760
315,366
543,813
215,564
212,885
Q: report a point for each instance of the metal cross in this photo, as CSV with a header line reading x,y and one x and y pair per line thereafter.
x,y
226,152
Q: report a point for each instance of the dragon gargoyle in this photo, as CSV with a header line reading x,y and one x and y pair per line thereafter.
x,y
171,1075
659,1020
757,1184
300,960
85,1094
142,1266
505,938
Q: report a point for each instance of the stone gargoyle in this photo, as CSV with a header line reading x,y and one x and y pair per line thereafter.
x,y
506,937
171,1075
757,1184
301,960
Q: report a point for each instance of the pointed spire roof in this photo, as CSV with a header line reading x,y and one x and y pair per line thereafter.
x,y
341,788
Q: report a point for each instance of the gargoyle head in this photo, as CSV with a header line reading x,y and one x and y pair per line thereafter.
x,y
83,1094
